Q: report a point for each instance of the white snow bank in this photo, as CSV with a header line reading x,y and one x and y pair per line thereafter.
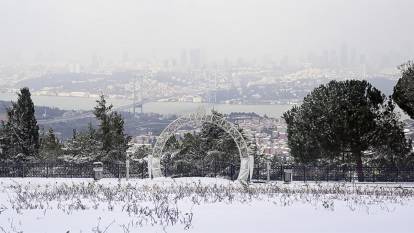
x,y
201,205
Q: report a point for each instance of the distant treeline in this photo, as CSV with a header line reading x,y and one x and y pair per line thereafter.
x,y
41,112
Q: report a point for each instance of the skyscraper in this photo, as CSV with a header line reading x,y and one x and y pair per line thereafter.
x,y
195,58
183,58
344,56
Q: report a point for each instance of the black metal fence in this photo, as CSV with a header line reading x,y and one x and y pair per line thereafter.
x,y
42,169
70,170
118,170
329,173
212,169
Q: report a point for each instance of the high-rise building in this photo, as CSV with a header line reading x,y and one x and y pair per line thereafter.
x,y
352,57
95,61
325,62
344,56
183,58
284,62
125,57
333,59
195,58
362,59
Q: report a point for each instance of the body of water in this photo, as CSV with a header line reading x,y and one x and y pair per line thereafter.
x,y
80,103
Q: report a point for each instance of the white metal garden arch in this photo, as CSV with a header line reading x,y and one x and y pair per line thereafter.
x,y
196,119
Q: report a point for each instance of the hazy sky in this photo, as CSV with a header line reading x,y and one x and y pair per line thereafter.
x,y
73,30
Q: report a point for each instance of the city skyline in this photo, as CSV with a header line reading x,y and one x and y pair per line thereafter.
x,y
75,31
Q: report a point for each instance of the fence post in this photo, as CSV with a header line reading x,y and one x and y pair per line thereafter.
x,y
232,171
165,169
260,171
373,174
256,168
23,170
268,170
215,167
71,170
119,170
304,174
397,177
202,167
47,170
281,172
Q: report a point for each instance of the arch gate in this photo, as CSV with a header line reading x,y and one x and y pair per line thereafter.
x,y
196,120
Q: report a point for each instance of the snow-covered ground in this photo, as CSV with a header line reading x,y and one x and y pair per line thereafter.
x,y
202,205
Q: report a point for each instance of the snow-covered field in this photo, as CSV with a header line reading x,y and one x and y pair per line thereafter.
x,y
202,205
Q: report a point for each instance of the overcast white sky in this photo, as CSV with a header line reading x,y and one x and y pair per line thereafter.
x,y
72,30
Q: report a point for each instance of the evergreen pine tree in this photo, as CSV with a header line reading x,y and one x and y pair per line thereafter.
x,y
212,146
22,128
83,148
50,147
111,131
102,113
340,121
403,93
215,139
4,142
119,140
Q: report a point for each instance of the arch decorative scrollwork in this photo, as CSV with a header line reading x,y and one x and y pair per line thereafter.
x,y
196,120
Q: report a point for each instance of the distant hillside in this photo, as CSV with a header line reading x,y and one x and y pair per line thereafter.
x,y
41,112
144,123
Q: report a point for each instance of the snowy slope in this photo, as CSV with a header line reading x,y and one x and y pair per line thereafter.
x,y
201,205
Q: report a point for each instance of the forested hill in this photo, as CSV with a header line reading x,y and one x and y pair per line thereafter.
x,y
41,112
147,122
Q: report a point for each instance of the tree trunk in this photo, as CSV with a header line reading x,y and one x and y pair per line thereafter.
x,y
359,166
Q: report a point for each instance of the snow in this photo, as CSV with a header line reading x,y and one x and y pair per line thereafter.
x,y
202,205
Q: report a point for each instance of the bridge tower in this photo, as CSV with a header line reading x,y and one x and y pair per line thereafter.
x,y
137,103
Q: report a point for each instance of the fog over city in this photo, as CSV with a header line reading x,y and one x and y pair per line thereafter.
x,y
265,30
206,116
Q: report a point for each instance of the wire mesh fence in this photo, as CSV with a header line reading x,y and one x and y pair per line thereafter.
x,y
224,169
214,168
70,170
329,173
